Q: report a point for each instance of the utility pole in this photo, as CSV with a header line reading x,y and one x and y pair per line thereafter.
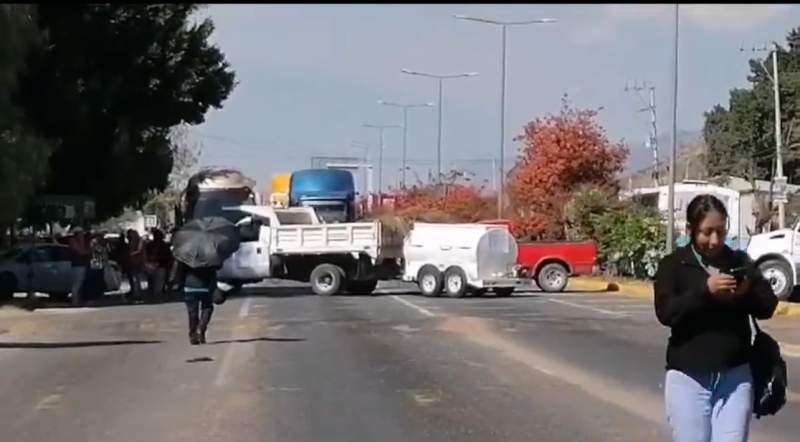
x,y
653,138
671,192
778,179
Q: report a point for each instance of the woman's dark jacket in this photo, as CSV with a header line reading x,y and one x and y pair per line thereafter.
x,y
709,334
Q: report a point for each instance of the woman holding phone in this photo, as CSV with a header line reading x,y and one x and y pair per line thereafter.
x,y
705,292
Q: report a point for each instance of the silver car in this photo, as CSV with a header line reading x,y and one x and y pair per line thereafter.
x,y
44,268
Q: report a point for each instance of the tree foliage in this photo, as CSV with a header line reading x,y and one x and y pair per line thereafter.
x,y
186,159
741,137
560,153
23,154
110,84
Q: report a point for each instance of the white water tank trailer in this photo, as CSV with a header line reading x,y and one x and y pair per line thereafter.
x,y
457,258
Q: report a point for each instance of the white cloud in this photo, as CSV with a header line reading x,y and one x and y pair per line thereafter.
x,y
731,17
716,17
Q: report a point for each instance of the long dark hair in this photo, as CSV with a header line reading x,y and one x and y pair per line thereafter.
x,y
697,210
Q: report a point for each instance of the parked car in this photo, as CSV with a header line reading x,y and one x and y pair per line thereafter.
x,y
44,268
551,264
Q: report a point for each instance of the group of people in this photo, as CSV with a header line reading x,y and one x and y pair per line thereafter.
x,y
141,260
138,260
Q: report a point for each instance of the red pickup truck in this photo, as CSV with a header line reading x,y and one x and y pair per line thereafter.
x,y
551,264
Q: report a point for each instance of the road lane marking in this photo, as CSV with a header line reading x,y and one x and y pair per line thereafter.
x,y
226,359
586,307
422,310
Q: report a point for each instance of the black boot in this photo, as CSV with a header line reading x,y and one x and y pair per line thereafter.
x,y
205,318
194,339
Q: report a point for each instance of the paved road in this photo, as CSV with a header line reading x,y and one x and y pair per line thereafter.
x,y
285,365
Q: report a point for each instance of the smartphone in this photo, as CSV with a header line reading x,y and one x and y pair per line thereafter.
x,y
738,273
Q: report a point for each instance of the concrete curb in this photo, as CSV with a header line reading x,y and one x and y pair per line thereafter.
x,y
644,290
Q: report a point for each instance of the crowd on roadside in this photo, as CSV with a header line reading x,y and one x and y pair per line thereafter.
x,y
136,259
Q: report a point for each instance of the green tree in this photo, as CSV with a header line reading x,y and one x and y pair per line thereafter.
x,y
23,155
741,137
110,84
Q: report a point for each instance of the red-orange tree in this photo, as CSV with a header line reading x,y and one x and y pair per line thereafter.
x,y
560,153
450,203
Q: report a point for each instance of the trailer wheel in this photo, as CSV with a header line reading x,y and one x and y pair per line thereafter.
x,y
455,282
779,276
326,279
553,277
362,287
429,279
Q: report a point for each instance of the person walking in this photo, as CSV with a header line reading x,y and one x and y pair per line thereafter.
x,y
81,256
158,264
705,293
197,286
136,261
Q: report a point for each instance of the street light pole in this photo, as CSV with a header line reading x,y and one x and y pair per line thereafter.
x,y
439,139
380,128
441,79
671,192
504,25
405,108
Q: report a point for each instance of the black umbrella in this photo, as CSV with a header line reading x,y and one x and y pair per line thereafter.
x,y
205,242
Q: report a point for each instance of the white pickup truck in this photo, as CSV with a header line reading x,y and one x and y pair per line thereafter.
x,y
292,244
777,254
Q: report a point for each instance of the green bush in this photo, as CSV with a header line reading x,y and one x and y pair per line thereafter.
x,y
630,239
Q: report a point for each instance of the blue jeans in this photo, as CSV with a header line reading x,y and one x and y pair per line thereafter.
x,y
709,407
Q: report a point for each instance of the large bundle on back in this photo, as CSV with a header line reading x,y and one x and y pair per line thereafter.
x,y
401,223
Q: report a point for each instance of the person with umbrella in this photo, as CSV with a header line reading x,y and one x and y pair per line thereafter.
x,y
199,248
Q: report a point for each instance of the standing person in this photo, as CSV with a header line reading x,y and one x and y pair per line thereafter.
x,y
81,256
158,264
198,286
136,260
705,293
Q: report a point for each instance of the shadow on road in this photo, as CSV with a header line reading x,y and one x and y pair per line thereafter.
x,y
72,344
244,341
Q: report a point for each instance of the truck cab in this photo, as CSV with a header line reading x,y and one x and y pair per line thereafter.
x,y
777,255
330,192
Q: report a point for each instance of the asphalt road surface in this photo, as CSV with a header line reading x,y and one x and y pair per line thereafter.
x,y
285,365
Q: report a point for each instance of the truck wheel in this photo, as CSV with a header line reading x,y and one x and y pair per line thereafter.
x,y
504,292
326,279
552,278
8,286
455,282
362,287
779,276
429,279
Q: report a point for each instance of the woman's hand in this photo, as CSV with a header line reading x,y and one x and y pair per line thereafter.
x,y
721,285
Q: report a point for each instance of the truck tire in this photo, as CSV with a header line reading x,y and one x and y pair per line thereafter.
x,y
504,292
553,277
8,286
362,287
327,279
430,281
779,276
455,282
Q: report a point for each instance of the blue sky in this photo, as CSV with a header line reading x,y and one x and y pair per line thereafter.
x,y
310,75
